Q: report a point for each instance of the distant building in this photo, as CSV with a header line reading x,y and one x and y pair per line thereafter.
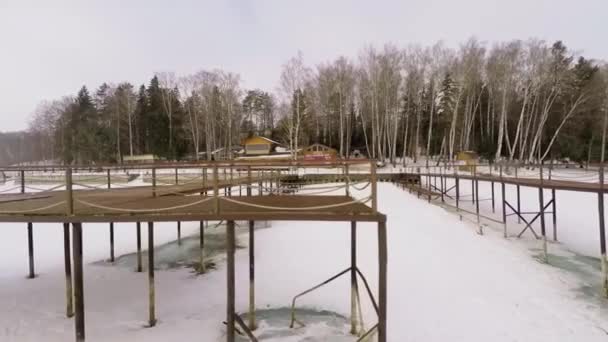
x,y
139,159
470,159
259,146
319,152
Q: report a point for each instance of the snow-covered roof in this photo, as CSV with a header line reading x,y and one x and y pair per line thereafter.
x,y
264,138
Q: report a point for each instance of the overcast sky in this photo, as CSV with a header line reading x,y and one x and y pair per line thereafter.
x,y
51,48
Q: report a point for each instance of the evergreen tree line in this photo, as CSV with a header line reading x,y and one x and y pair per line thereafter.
x,y
516,100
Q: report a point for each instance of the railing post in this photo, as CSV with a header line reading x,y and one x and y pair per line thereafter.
x,y
346,179
216,189
69,192
249,181
153,182
22,175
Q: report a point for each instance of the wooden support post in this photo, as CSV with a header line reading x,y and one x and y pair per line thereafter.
x,y
493,202
201,247
554,213
457,180
428,180
382,280
109,185
472,190
176,177
441,179
477,206
152,294
600,205
78,282
69,294
230,293
179,233
374,181
353,278
504,209
111,241
541,202
518,203
419,175
30,249
252,321
139,266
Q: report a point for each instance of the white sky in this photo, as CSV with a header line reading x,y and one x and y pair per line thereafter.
x,y
51,48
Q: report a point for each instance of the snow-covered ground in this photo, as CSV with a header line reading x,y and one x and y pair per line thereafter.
x,y
445,281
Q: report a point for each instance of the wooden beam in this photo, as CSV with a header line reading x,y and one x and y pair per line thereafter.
x,y
78,281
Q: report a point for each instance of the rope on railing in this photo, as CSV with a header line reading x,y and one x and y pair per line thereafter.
x,y
99,206
319,207
89,186
11,189
45,190
33,210
320,192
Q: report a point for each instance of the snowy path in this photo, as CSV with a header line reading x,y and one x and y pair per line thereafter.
x,y
445,283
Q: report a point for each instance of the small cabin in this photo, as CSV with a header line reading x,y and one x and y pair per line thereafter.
x,y
258,146
468,158
319,152
139,159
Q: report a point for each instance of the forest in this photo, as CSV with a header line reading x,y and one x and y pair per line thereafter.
x,y
525,100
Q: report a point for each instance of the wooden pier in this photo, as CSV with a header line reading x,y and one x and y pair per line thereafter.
x,y
204,198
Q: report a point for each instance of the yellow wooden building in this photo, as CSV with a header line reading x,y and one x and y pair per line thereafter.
x,y
258,146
